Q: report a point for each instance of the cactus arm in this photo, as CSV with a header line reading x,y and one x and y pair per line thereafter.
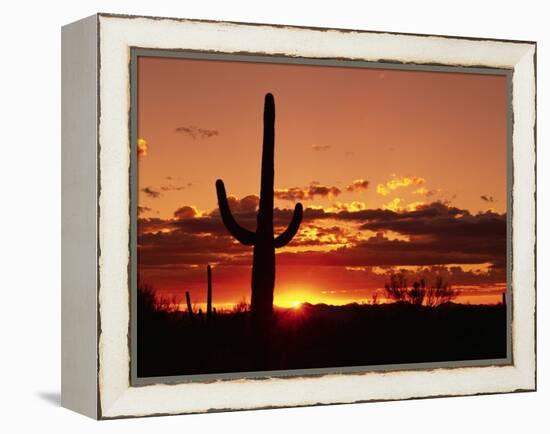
x,y
244,236
285,237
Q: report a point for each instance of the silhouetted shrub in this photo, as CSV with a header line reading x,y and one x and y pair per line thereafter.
x,y
440,293
149,302
241,307
146,299
396,289
417,293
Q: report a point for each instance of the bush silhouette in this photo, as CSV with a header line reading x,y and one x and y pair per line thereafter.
x,y
440,293
396,289
419,294
416,294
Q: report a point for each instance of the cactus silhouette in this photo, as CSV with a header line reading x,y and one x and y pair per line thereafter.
x,y
189,307
263,239
209,293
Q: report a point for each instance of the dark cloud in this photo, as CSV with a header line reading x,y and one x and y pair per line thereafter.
x,y
178,247
197,133
185,212
489,199
320,147
357,185
143,209
171,187
295,194
423,191
151,192
430,236
245,205
153,224
439,220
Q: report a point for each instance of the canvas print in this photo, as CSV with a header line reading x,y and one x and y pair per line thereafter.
x,y
318,217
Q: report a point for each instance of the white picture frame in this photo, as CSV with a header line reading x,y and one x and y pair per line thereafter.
x,y
96,377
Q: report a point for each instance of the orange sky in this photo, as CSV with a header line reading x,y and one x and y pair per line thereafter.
x,y
395,169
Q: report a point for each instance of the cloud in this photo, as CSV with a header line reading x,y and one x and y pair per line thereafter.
x,y
397,205
350,206
358,185
247,204
151,192
307,193
393,205
171,187
186,212
317,235
196,132
430,236
395,183
143,209
173,252
320,147
489,199
142,147
447,230
322,190
153,224
423,191
293,194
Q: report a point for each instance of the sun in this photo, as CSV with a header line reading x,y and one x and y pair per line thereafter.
x,y
295,304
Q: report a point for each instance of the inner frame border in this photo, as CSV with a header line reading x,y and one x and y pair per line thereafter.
x,y
136,52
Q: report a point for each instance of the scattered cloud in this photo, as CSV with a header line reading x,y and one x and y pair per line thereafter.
x,y
197,133
397,205
488,199
423,191
142,147
247,204
171,187
320,147
307,193
395,183
151,192
393,205
358,185
349,206
186,212
143,209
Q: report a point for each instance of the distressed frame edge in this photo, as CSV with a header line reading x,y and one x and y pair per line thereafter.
x,y
304,27
530,49
79,142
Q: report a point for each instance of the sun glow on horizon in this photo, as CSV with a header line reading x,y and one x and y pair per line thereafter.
x,y
295,297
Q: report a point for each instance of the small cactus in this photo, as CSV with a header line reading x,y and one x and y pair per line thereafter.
x,y
189,307
209,294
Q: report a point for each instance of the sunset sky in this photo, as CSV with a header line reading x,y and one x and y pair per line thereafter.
x,y
397,170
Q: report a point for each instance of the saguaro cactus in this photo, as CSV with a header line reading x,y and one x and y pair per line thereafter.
x,y
263,240
189,307
209,293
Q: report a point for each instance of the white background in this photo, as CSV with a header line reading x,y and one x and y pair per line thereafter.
x,y
30,216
